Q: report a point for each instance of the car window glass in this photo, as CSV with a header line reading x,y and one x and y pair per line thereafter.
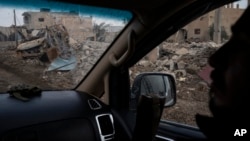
x,y
185,55
53,45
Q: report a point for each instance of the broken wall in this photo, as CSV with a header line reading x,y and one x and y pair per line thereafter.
x,y
228,18
37,20
84,26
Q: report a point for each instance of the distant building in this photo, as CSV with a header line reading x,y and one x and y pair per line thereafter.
x,y
201,29
84,30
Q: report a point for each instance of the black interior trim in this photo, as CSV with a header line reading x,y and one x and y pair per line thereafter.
x,y
63,130
44,117
178,131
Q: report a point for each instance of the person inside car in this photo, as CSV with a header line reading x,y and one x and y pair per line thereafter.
x,y
229,93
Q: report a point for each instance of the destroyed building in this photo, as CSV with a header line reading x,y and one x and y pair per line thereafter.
x,y
45,18
202,28
8,33
9,36
47,45
4,33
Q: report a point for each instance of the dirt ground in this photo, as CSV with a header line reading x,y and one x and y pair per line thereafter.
x,y
15,71
192,99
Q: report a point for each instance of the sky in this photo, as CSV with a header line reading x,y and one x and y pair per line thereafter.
x,y
242,3
7,15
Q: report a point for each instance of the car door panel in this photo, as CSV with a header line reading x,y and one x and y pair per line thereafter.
x,y
175,131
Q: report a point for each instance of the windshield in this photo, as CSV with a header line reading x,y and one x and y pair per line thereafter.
x,y
53,45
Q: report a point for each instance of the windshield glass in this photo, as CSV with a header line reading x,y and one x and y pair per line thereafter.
x,y
53,45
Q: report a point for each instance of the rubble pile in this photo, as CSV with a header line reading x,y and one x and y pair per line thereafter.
x,y
86,54
177,58
184,61
40,42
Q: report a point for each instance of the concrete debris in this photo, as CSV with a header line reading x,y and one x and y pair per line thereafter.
x,y
35,32
187,62
182,51
189,66
36,44
181,64
184,61
30,44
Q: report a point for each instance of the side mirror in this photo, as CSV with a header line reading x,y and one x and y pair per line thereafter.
x,y
154,84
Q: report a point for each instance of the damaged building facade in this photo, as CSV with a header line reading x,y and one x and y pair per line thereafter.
x,y
8,35
202,28
45,18
4,33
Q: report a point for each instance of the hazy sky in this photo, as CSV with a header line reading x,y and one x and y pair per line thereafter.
x,y
7,16
242,3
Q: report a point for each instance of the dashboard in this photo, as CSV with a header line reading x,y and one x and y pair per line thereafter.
x,y
58,115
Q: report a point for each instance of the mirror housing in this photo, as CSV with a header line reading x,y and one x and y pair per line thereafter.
x,y
154,84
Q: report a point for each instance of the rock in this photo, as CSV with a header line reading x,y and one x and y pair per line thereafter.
x,y
181,65
181,79
175,57
182,51
180,73
202,86
144,63
212,44
172,65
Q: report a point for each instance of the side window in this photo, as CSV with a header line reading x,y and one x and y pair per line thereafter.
x,y
186,59
197,31
26,19
41,19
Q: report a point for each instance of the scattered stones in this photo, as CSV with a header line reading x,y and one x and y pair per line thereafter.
x,y
182,51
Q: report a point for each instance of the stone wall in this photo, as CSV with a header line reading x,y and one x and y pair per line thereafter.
x,y
37,20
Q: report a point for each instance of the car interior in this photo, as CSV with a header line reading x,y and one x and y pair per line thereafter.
x,y
98,107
